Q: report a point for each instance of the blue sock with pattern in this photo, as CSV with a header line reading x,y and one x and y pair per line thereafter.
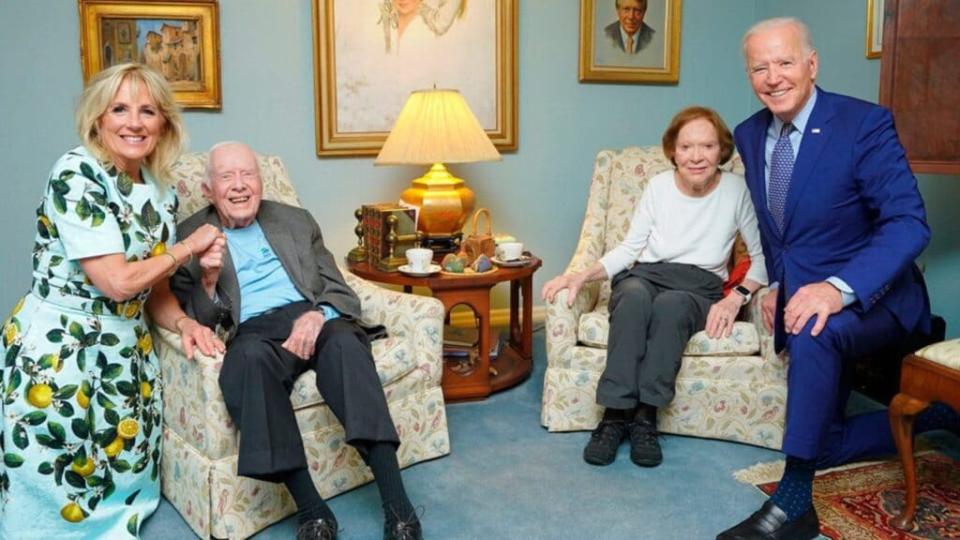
x,y
794,493
937,416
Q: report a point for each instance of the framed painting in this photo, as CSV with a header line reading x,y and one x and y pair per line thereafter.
x,y
178,38
370,54
874,28
630,41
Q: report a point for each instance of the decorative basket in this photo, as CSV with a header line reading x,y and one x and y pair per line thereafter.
x,y
478,243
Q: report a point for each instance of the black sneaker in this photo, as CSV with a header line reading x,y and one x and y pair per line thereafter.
x,y
604,441
644,446
318,529
403,529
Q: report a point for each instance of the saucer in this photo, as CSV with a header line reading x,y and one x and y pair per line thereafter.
x,y
433,269
524,259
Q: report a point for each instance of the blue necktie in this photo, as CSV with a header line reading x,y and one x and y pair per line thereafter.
x,y
781,169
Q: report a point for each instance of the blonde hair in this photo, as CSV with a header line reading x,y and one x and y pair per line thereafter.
x,y
806,42
100,92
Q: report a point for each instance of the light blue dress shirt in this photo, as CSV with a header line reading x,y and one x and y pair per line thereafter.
x,y
796,137
264,284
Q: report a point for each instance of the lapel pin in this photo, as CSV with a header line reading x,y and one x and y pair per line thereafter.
x,y
815,130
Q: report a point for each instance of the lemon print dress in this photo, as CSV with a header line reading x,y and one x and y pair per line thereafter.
x,y
80,400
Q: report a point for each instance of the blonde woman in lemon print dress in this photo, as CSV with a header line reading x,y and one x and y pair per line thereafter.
x,y
80,395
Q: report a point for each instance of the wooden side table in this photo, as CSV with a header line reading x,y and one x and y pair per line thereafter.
x,y
515,360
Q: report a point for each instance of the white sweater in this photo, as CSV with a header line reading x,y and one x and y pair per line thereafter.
x,y
669,226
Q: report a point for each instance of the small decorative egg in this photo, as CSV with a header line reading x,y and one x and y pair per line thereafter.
x,y
482,264
452,263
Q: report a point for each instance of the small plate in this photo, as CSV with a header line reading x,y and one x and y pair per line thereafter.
x,y
524,259
469,274
433,269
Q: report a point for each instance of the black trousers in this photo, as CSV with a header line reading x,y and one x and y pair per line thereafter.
x,y
258,375
654,309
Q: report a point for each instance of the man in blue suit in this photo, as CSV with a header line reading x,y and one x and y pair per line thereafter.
x,y
841,222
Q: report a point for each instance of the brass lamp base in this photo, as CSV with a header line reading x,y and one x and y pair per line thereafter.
x,y
444,202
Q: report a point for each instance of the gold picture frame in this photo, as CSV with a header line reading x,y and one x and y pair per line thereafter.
x,y
655,57
874,42
366,63
180,38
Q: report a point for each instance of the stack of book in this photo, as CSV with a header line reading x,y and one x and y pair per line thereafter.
x,y
460,342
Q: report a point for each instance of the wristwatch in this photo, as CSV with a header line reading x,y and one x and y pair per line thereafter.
x,y
744,292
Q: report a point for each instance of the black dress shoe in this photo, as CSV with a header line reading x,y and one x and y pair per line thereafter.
x,y
770,523
644,446
403,530
604,442
318,529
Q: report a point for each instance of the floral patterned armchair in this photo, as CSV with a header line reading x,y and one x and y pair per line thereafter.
x,y
199,464
733,388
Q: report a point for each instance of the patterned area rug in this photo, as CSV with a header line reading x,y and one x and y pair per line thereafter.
x,y
858,502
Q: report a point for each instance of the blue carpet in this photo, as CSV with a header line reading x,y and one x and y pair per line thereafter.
x,y
508,478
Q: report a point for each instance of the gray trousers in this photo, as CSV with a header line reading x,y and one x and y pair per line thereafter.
x,y
258,375
654,309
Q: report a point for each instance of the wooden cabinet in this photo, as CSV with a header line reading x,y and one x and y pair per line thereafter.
x,y
920,80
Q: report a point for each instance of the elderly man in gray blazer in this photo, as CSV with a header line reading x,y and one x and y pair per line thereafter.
x,y
273,287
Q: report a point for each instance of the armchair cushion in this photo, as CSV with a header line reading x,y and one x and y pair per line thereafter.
x,y
595,327
394,358
945,353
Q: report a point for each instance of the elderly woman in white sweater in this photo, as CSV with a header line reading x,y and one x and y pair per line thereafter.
x,y
668,276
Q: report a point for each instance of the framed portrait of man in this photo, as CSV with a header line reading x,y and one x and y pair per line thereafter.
x,y
371,54
631,41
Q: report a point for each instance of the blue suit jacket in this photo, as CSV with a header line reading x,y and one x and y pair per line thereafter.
x,y
852,211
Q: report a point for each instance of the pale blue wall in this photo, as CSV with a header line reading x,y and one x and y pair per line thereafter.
x,y
537,193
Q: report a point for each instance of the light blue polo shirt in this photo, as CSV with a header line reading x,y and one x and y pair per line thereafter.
x,y
264,284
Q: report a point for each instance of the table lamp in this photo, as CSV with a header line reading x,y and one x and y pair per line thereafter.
x,y
436,127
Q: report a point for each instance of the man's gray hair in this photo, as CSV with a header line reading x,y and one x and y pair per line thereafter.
x,y
214,148
806,42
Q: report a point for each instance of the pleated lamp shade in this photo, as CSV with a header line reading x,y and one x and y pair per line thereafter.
x,y
436,126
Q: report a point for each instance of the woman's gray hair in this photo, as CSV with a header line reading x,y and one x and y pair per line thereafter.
x,y
100,93
806,42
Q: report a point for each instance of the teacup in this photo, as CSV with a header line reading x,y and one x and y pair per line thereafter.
x,y
419,259
509,251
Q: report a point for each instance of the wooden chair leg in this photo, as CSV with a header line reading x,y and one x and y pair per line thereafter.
x,y
903,410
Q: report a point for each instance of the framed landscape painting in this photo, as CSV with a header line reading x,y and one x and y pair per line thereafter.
x,y
179,38
630,41
370,54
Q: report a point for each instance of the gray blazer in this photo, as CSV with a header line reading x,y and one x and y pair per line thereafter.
x,y
296,239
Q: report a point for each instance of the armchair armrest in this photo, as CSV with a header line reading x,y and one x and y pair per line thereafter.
x,y
562,320
754,314
419,318
193,405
